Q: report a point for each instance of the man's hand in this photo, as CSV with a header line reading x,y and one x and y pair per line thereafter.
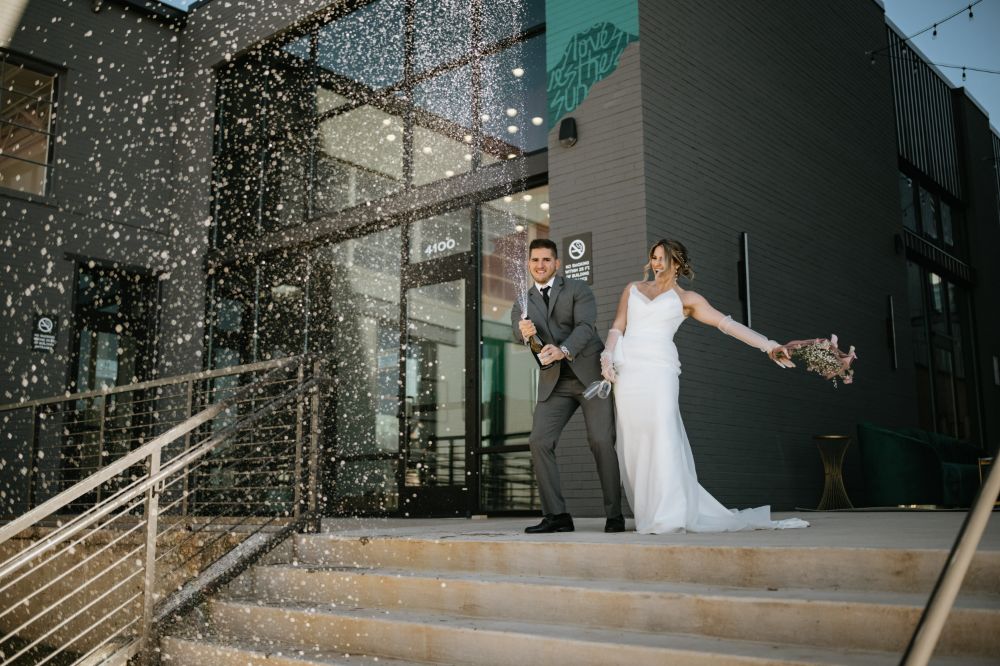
x,y
550,354
527,328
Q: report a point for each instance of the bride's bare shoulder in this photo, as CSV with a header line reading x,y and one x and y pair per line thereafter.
x,y
689,298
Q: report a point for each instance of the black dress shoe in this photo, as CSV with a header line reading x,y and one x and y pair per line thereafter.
x,y
615,524
561,522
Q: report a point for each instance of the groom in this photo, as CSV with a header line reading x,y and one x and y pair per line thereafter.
x,y
563,314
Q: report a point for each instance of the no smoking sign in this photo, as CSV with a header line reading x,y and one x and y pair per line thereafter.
x,y
579,263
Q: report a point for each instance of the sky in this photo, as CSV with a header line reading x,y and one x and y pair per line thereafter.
x,y
960,41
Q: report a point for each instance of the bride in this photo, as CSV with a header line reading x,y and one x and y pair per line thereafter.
x,y
640,358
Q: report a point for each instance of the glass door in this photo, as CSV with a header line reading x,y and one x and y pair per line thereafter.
x,y
435,382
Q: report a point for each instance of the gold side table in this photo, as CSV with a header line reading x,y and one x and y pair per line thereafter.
x,y
832,449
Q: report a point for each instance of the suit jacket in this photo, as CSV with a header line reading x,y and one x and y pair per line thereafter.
x,y
570,322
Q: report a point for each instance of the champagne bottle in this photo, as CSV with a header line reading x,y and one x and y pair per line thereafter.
x,y
535,344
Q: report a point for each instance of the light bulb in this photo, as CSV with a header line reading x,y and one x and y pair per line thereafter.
x,y
518,228
544,205
467,157
390,137
518,72
526,197
485,117
449,173
511,113
508,199
387,121
512,129
467,138
426,150
536,121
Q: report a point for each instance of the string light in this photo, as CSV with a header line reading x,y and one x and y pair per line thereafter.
x,y
934,25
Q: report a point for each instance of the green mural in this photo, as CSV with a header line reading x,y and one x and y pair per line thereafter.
x,y
585,39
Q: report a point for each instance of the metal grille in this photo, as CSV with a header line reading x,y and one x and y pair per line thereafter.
x,y
925,122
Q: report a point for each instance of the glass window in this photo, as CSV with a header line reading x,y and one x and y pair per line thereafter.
x,y
506,18
906,202
443,29
928,214
443,135
509,376
947,230
354,309
440,236
26,114
367,45
514,113
360,158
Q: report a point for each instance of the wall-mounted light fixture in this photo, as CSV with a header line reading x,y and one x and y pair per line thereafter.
x,y
567,132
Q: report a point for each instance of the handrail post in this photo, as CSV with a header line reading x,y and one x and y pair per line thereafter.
x,y
299,417
100,441
312,497
33,460
187,446
147,640
928,631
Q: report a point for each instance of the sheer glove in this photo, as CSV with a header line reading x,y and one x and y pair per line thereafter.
x,y
607,364
754,339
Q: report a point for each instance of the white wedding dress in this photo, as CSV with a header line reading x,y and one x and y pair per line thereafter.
x,y
653,451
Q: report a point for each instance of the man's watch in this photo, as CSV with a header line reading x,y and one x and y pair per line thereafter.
x,y
569,357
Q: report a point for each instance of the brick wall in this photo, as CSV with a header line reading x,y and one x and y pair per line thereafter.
x,y
767,118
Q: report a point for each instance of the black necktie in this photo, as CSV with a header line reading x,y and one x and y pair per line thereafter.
x,y
545,295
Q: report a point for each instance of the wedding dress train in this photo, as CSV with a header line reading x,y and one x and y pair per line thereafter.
x,y
657,466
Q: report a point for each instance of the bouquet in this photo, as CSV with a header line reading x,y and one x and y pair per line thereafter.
x,y
824,357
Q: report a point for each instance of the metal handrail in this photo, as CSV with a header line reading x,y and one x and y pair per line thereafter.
x,y
144,493
154,383
928,630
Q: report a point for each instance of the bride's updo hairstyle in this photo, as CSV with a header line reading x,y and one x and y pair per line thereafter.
x,y
678,255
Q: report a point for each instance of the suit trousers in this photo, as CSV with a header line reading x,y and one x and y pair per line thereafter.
x,y
551,416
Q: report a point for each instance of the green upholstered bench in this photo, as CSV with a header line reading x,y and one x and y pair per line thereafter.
x,y
913,466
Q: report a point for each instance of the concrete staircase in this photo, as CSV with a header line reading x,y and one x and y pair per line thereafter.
x,y
489,599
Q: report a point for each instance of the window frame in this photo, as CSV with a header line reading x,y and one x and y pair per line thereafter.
x,y
57,75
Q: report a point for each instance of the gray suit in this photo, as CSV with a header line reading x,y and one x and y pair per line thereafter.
x,y
570,322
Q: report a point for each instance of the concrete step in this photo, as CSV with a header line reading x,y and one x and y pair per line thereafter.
x,y
208,648
888,569
858,619
425,636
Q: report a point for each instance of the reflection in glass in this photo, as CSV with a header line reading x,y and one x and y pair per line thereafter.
x,y
947,231
506,18
442,32
360,158
906,205
507,482
365,46
281,307
435,385
928,214
514,99
508,374
440,236
354,321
